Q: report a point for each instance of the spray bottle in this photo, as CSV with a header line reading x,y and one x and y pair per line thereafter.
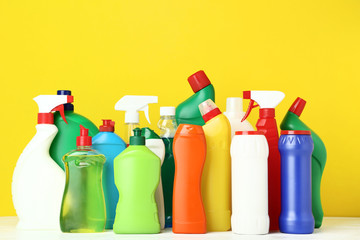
x,y
267,101
132,104
38,182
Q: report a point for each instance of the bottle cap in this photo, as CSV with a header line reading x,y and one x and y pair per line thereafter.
x,y
198,81
208,110
167,111
249,133
67,106
298,106
234,104
295,132
84,139
137,139
108,126
149,133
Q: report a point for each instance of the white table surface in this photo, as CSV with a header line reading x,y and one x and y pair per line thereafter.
x,y
333,228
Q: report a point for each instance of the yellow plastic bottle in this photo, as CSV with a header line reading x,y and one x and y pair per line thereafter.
x,y
216,178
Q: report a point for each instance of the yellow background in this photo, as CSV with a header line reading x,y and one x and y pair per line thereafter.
x,y
104,49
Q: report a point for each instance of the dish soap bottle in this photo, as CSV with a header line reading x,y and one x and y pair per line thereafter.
x,y
83,204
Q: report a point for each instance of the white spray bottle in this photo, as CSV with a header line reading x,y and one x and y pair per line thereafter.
x,y
38,182
132,104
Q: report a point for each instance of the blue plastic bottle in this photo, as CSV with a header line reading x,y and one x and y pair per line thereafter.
x,y
111,145
296,216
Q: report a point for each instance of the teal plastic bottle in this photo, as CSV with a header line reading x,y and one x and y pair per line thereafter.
x,y
65,139
111,145
83,204
188,111
292,121
137,175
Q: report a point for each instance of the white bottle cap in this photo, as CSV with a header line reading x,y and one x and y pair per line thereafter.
x,y
167,111
234,104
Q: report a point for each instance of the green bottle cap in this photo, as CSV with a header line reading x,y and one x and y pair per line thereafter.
x,y
149,133
137,139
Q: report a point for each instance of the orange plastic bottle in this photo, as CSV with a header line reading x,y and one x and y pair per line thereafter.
x,y
189,153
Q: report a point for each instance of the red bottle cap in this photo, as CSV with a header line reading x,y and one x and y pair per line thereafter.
x,y
249,133
45,118
198,81
108,126
295,132
210,115
84,139
298,106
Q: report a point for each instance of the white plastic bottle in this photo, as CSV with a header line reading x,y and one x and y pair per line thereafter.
x,y
249,155
38,182
157,146
234,112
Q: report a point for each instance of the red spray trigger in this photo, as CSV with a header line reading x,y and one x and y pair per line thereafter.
x,y
60,109
248,111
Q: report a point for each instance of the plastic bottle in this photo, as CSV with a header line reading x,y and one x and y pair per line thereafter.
x,y
268,100
234,113
65,140
216,178
296,216
157,146
38,182
188,111
292,121
167,125
83,204
190,152
132,105
137,175
249,155
111,145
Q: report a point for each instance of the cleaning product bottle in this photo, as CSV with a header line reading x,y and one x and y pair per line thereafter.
x,y
216,178
167,125
157,146
268,100
137,175
83,204
132,105
292,121
249,156
110,144
234,107
65,140
38,182
295,149
190,153
188,111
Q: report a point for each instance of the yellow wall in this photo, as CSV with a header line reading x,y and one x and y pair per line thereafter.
x,y
104,49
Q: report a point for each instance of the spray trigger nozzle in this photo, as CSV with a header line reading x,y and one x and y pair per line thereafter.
x,y
60,109
248,111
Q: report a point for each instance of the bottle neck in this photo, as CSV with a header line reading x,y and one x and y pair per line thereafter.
x,y
83,148
267,113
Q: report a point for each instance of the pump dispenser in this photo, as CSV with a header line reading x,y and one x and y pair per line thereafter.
x,y
132,104
38,182
267,101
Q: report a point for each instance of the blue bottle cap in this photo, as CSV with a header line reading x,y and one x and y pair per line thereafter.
x,y
67,106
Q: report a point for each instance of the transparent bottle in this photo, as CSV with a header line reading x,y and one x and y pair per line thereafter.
x,y
167,125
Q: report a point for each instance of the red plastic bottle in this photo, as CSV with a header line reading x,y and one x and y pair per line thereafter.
x,y
189,152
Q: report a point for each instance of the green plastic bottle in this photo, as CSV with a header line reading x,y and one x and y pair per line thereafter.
x,y
292,121
137,175
83,204
65,139
188,111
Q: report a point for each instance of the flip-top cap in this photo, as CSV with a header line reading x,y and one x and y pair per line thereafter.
x,y
108,126
84,139
198,81
137,139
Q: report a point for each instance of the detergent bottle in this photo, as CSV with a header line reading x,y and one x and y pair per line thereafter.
x,y
38,182
292,121
65,140
157,146
234,112
167,125
137,175
83,204
188,111
190,153
110,144
216,178
132,104
268,100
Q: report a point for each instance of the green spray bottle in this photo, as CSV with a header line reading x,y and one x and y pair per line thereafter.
x,y
65,139
292,121
188,111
